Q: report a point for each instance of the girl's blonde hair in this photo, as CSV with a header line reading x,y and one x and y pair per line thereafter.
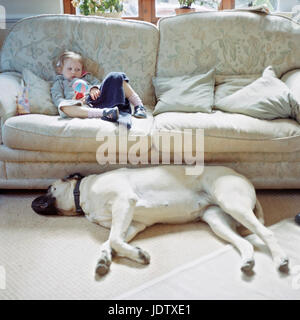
x,y
59,63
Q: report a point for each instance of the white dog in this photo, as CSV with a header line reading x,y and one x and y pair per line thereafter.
x,y
129,200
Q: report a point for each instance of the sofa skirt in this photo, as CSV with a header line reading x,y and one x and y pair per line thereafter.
x,y
39,175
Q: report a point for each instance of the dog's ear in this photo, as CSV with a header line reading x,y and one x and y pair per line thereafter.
x,y
76,176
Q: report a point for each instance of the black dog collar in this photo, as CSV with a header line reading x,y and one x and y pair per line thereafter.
x,y
76,194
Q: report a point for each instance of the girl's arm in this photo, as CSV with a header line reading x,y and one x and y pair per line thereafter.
x,y
57,93
94,86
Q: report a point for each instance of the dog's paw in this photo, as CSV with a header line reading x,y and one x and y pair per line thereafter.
x,y
283,265
103,264
144,257
102,269
247,265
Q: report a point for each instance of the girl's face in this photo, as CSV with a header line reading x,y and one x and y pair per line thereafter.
x,y
71,69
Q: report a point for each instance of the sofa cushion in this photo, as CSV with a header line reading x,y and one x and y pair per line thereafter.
x,y
39,96
185,94
227,85
11,86
52,133
265,98
226,132
292,80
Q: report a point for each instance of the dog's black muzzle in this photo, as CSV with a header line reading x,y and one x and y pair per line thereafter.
x,y
44,205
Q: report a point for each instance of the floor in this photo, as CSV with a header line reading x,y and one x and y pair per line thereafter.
x,y
54,257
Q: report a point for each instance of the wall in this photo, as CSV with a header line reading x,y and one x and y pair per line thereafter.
x,y
19,9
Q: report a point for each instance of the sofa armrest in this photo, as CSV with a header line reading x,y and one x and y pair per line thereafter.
x,y
292,80
11,86
1,125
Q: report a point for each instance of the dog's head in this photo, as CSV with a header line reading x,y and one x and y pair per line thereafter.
x,y
59,199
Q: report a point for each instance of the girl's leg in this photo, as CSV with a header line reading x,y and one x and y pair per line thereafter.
x,y
85,112
128,89
75,111
115,91
132,96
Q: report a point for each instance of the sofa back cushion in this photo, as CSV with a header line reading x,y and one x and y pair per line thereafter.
x,y
106,44
233,42
39,97
265,98
191,93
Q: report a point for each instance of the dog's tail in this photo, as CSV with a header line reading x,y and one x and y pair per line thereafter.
x,y
258,210
259,213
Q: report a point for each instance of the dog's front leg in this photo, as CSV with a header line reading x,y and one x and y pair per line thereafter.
x,y
122,214
107,252
104,262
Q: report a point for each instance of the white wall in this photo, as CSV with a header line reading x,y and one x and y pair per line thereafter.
x,y
19,9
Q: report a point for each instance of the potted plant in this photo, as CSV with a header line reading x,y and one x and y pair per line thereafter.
x,y
263,2
210,4
107,8
185,6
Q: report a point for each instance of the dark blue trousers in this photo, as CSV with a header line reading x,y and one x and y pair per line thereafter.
x,y
112,95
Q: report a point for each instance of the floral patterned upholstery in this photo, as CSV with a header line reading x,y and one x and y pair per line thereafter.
x,y
232,42
235,43
114,45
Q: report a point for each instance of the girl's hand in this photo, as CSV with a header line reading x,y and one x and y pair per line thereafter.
x,y
94,93
83,100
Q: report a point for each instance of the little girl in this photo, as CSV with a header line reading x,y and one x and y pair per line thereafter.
x,y
109,100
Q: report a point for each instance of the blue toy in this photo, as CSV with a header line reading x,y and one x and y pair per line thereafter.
x,y
80,87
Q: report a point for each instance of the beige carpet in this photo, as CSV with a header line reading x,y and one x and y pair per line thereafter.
x,y
54,257
218,275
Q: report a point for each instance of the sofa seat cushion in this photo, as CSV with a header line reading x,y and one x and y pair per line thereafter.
x,y
51,133
226,132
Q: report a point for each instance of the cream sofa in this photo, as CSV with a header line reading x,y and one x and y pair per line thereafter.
x,y
36,148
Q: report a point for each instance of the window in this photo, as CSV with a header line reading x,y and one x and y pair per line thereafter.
x,y
131,8
150,10
165,8
273,5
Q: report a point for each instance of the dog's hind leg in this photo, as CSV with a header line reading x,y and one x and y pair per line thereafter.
x,y
122,214
224,226
133,230
245,215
